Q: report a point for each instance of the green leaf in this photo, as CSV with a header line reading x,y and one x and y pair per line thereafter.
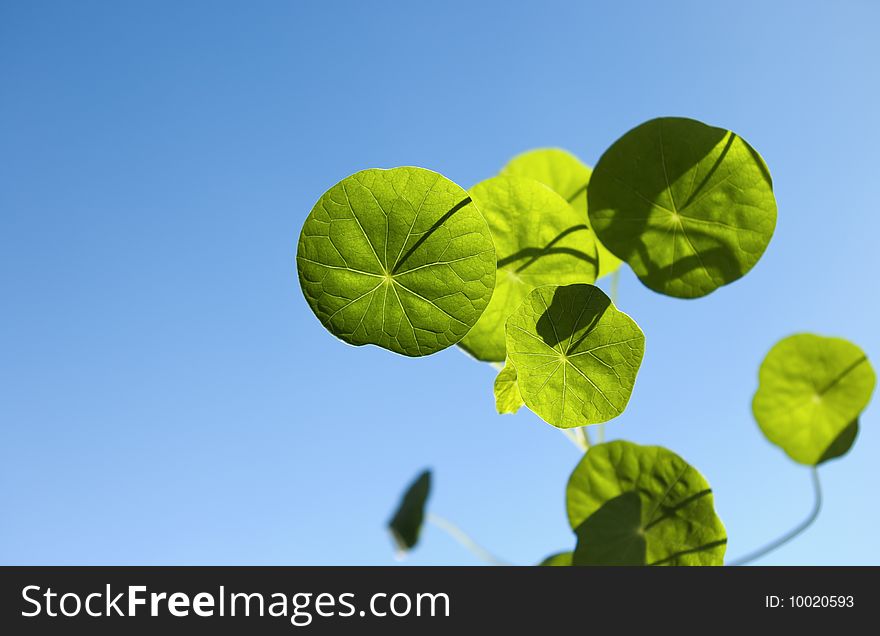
x,y
642,505
398,258
576,355
566,175
539,239
841,445
406,524
811,391
560,559
689,207
507,396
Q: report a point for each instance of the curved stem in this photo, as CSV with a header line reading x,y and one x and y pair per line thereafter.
x,y
791,534
465,540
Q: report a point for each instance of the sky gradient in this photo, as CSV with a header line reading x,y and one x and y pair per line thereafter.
x,y
166,395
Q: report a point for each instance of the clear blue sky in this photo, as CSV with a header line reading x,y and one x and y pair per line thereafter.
x,y
167,397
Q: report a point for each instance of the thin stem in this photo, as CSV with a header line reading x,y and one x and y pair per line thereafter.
x,y
578,437
615,283
585,435
791,534
465,540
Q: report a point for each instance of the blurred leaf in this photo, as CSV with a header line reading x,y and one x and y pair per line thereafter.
x,y
841,445
560,559
566,175
576,355
689,207
406,524
398,258
811,391
642,505
539,239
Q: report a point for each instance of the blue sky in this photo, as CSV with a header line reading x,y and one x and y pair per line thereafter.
x,y
167,397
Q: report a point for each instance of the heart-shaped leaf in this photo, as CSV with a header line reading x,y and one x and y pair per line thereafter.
x,y
642,505
810,394
398,258
566,175
406,524
688,206
539,239
576,355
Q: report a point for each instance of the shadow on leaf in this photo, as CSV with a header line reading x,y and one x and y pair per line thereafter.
x,y
842,443
571,316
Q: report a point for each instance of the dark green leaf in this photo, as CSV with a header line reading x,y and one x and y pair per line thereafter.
x,y
406,524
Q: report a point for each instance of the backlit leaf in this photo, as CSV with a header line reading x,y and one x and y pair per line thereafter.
x,y
406,524
566,175
688,206
398,258
810,394
560,559
507,396
642,505
539,239
576,355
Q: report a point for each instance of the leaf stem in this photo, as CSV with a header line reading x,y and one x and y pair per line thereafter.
x,y
615,283
794,532
578,437
465,540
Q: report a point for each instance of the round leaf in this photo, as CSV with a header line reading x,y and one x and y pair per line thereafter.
x,y
689,207
539,239
642,505
576,355
398,258
811,391
566,175
507,396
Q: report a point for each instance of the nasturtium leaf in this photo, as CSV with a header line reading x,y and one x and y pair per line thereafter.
x,y
569,177
406,524
539,239
507,396
398,258
811,390
642,505
688,206
576,355
560,559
